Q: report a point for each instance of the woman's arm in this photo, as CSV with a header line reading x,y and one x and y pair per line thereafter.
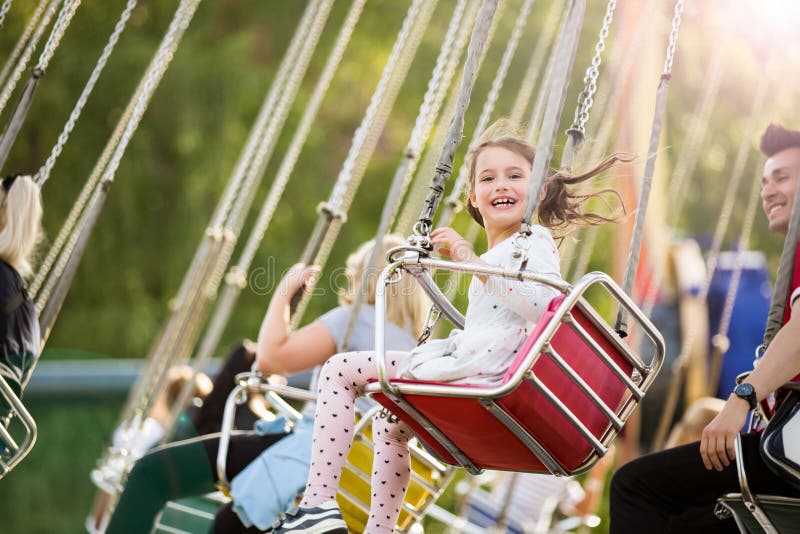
x,y
281,351
780,363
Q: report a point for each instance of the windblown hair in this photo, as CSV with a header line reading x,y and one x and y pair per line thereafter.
x,y
20,223
562,206
406,303
777,138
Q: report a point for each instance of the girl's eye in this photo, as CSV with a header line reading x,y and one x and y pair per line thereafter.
x,y
486,178
516,176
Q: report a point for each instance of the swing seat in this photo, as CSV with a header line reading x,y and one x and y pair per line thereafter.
x,y
17,433
757,514
566,395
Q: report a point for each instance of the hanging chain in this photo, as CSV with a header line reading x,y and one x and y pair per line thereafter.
x,y
22,64
673,38
586,98
44,172
62,22
153,76
4,10
26,34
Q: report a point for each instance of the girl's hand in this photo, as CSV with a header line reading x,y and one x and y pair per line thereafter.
x,y
717,446
454,246
299,276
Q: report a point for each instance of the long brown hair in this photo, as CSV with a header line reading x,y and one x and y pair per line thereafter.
x,y
562,205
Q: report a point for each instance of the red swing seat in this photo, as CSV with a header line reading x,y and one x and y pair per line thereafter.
x,y
565,397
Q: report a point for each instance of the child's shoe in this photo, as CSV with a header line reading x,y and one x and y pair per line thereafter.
x,y
323,519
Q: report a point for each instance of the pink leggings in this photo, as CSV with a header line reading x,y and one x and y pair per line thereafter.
x,y
343,379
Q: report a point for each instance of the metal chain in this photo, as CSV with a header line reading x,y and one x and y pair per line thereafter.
x,y
416,197
189,327
192,290
634,251
62,23
4,10
434,94
44,172
585,99
301,134
454,200
567,48
26,33
155,72
362,133
366,137
673,37
83,198
22,64
241,206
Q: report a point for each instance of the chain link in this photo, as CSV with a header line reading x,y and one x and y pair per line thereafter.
x,y
673,38
4,10
44,172
16,74
586,98
68,10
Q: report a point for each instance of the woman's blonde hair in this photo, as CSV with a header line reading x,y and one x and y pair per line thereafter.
x,y
406,304
562,206
20,221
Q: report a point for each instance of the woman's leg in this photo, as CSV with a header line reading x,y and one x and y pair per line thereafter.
x,y
179,470
342,379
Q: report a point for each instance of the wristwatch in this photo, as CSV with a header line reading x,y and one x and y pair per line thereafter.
x,y
747,392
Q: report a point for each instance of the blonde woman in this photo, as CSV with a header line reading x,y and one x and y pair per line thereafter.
x,y
20,230
186,468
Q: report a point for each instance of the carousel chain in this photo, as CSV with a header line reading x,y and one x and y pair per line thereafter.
x,y
477,46
156,71
20,44
634,251
4,11
585,100
59,28
434,94
262,119
44,172
453,202
366,137
22,63
416,197
567,48
186,336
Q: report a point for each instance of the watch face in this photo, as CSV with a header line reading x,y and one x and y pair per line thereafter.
x,y
744,390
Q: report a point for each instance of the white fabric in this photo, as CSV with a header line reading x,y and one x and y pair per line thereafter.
x,y
791,439
795,294
499,316
138,439
533,500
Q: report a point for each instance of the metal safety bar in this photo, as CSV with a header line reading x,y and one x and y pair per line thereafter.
x,y
246,384
12,453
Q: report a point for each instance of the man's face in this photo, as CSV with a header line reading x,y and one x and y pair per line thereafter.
x,y
777,188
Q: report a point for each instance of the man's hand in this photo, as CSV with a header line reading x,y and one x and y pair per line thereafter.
x,y
717,446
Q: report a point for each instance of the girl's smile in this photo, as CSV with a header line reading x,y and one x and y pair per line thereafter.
x,y
500,190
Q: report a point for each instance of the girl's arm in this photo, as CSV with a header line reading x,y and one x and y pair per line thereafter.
x,y
281,351
780,363
527,299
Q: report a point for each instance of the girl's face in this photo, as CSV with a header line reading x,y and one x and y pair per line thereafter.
x,y
500,190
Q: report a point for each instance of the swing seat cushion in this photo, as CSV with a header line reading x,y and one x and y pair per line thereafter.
x,y
489,444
